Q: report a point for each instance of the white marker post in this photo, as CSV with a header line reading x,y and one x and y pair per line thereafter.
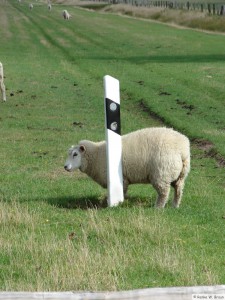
x,y
113,141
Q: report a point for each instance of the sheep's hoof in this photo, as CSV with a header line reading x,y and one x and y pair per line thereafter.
x,y
160,205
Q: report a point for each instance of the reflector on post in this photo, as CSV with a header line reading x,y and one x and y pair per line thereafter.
x,y
113,141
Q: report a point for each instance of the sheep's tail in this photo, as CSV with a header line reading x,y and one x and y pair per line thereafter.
x,y
186,160
185,167
184,172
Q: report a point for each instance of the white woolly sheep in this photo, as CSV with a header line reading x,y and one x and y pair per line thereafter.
x,y
2,86
31,6
160,156
66,15
49,7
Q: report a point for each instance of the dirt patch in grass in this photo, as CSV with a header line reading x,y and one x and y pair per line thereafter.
x,y
204,145
209,151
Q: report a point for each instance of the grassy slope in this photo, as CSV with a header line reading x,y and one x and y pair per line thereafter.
x,y
183,17
54,70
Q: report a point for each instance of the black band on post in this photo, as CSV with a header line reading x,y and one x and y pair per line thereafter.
x,y
113,116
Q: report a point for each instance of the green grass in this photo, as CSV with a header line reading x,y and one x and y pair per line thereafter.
x,y
55,231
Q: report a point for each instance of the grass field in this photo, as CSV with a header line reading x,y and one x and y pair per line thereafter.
x,y
55,231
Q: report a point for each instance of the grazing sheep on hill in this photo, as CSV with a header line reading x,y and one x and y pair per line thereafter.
x,y
31,6
159,156
2,86
49,7
66,15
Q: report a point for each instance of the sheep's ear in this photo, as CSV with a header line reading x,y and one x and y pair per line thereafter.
x,y
82,148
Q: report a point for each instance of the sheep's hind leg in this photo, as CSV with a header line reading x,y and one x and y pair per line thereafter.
x,y
178,191
163,195
125,187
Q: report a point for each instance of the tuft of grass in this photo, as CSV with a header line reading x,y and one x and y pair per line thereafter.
x,y
98,252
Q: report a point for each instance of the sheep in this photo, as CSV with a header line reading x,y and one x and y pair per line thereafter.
x,y
49,7
2,86
158,155
31,6
66,15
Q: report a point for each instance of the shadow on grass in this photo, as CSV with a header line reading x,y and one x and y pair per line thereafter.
x,y
84,203
94,202
132,201
196,58
179,58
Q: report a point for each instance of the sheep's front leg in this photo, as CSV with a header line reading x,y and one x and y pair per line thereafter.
x,y
3,89
163,195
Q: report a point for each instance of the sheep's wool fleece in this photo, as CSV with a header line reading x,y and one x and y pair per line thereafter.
x,y
154,154
151,155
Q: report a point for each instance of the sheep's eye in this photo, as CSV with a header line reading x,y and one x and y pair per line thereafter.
x,y
74,154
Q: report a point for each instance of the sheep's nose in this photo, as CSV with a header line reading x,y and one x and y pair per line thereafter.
x,y
67,168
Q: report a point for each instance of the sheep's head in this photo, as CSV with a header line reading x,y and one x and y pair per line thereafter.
x,y
74,158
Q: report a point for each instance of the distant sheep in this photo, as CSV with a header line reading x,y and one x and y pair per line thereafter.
x,y
49,6
66,15
2,86
160,156
31,6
